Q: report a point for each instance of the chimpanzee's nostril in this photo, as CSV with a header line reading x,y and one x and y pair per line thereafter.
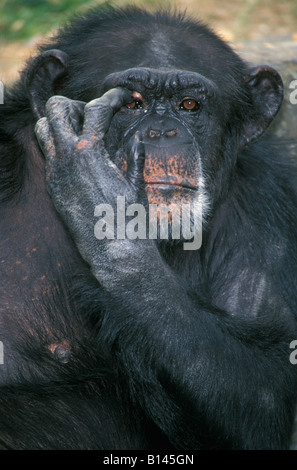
x,y
154,134
171,133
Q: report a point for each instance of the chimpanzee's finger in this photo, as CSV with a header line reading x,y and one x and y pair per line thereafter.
x,y
76,116
65,118
45,138
99,112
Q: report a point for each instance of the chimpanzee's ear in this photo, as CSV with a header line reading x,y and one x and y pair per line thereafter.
x,y
43,73
266,89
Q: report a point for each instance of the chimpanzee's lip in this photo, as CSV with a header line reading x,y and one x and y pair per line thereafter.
x,y
166,184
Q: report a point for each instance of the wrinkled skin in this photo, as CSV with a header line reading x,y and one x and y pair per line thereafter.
x,y
76,158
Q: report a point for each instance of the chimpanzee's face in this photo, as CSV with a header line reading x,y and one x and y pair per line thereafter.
x,y
174,113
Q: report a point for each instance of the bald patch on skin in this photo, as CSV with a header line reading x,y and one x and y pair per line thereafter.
x,y
61,351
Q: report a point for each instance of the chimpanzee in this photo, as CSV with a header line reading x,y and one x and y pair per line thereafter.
x,y
145,342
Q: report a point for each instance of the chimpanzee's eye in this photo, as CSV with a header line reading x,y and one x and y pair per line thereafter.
x,y
136,104
188,104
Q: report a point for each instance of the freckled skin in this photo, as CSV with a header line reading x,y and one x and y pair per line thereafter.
x,y
171,169
84,144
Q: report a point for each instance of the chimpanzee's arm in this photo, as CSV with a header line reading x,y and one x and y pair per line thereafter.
x,y
189,365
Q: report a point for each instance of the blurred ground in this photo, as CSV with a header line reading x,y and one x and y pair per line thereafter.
x,y
270,21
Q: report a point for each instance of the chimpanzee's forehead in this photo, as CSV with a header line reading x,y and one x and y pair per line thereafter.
x,y
160,43
143,78
199,60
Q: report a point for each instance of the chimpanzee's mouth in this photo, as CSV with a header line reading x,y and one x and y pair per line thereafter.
x,y
168,184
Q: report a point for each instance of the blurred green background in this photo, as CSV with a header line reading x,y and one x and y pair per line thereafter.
x,y
23,19
24,23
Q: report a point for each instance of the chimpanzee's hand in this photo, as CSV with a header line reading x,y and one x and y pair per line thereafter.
x,y
80,175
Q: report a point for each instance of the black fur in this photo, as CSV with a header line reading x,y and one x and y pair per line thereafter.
x,y
202,365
